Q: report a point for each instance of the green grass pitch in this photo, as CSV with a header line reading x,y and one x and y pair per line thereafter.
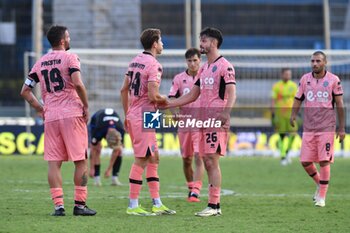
x,y
259,195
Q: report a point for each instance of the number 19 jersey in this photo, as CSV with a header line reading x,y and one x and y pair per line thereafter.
x,y
142,69
53,71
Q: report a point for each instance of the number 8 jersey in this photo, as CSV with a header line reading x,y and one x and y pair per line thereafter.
x,y
142,69
318,97
54,71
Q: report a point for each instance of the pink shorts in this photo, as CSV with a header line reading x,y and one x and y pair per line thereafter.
x,y
213,141
316,147
188,143
66,139
144,141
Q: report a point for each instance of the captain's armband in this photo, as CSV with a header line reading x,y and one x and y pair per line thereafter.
x,y
30,83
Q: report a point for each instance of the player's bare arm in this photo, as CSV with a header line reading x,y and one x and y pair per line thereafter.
x,y
185,99
28,95
80,88
295,111
341,117
154,95
273,112
116,152
231,93
174,111
124,95
272,106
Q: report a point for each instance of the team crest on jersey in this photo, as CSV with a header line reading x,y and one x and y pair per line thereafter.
x,y
184,81
325,84
214,69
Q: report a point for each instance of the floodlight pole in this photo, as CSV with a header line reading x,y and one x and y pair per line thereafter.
x,y
197,22
37,35
326,23
188,23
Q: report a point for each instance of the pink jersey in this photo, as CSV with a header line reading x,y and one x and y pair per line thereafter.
x,y
213,79
182,84
318,96
142,69
53,71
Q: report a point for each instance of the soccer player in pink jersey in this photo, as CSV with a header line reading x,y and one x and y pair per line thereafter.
x,y
65,112
140,93
319,90
182,84
216,87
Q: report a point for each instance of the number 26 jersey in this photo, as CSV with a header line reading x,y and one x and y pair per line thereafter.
x,y
53,71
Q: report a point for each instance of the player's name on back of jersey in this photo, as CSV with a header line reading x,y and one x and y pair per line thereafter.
x,y
137,65
51,62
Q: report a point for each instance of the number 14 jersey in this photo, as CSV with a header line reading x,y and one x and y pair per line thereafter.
x,y
53,71
142,69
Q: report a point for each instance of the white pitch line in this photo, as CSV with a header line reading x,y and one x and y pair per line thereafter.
x,y
288,195
123,194
118,194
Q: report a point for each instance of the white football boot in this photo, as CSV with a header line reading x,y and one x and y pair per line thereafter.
x,y
320,202
115,181
207,212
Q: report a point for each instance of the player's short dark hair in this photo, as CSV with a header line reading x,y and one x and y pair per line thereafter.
x,y
318,52
55,34
284,69
214,33
192,52
149,36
